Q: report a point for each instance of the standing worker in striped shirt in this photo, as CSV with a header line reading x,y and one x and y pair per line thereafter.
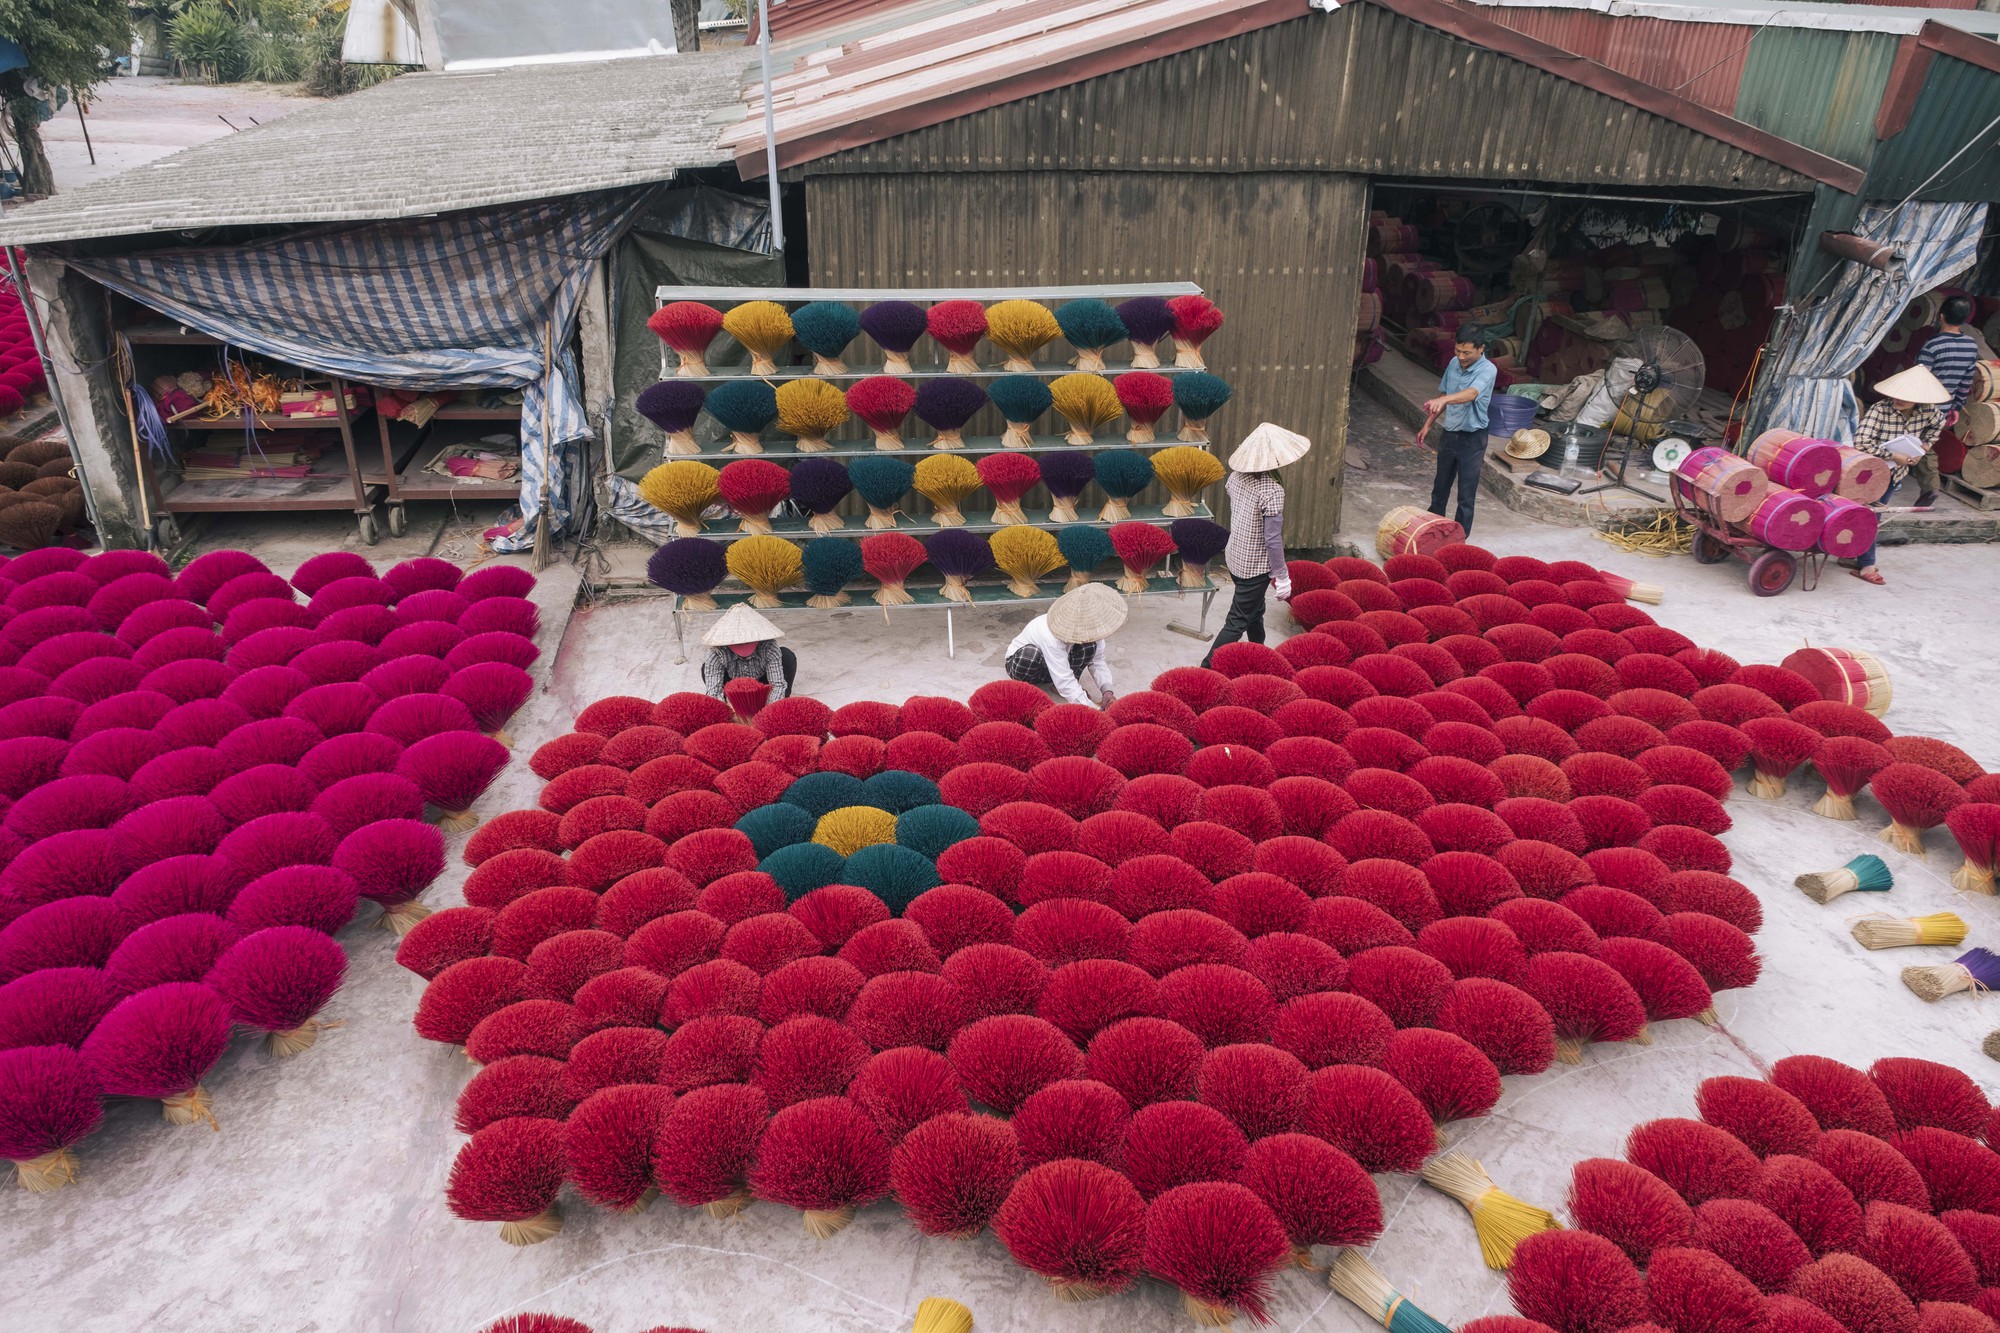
x,y
1950,355
1255,555
1463,395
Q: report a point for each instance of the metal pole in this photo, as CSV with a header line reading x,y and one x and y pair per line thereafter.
x,y
55,391
770,126
88,147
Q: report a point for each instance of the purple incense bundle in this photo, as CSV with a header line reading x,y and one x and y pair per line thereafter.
x,y
673,406
1147,320
945,405
819,485
1066,473
895,326
960,556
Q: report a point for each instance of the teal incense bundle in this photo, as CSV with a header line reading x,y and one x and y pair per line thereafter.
x,y
1866,873
1355,1278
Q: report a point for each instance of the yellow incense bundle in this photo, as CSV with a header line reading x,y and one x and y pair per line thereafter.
x,y
809,409
945,480
763,328
768,565
1020,329
683,489
1500,1220
1186,471
1881,931
1024,554
1087,402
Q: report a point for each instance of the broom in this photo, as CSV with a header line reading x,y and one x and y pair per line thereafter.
x,y
935,1314
1009,477
1881,931
1066,473
1145,397
891,557
1199,540
1090,326
767,565
1139,546
1024,554
809,409
960,556
744,407
957,326
1021,399
689,567
1084,548
683,489
1086,402
881,483
1866,873
825,328
1916,798
1199,397
1975,970
829,564
764,328
1122,474
945,480
819,485
1500,1220
1976,825
1020,329
945,405
882,402
1354,1277
688,327
1195,318
674,407
753,487
1186,471
1845,764
1147,320
895,326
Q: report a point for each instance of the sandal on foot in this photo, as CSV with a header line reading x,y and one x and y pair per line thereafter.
x,y
1873,576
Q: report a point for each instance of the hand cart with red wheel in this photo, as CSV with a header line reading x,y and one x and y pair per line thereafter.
x,y
1771,570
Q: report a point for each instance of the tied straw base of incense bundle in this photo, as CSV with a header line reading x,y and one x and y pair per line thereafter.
x,y
1355,1278
1866,873
1879,930
1975,970
535,1230
1500,1220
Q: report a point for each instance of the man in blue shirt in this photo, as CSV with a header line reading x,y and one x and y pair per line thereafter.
x,y
1465,391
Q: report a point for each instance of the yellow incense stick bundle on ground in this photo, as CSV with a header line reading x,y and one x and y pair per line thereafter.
x,y
935,1314
1882,931
1500,1220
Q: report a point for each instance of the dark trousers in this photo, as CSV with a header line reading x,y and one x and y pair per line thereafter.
x,y
1246,613
1461,454
1026,663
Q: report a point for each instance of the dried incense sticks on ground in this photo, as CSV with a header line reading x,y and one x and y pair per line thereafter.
x,y
1866,873
1881,931
1500,1220
1975,970
1353,1277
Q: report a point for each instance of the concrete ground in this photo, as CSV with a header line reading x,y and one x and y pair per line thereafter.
x,y
319,1205
133,121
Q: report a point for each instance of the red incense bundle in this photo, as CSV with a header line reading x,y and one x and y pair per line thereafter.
x,y
957,326
753,487
1009,477
688,327
882,401
1146,396
1140,546
892,557
1195,318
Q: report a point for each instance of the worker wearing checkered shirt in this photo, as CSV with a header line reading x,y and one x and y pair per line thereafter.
x,y
1255,556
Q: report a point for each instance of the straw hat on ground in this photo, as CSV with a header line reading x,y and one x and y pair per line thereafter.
x,y
740,625
1087,614
1915,385
1527,442
1269,448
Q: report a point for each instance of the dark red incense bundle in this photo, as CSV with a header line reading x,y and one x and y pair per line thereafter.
x,y
1369,1116
1856,1293
511,1172
1576,1282
1079,1225
957,326
1762,1116
1219,1243
1629,1206
1751,1239
1140,546
1778,746
1009,476
1077,1118
1587,1000
1939,756
753,487
1976,826
1146,396
883,402
953,1172
1195,319
688,327
891,557
1694,1291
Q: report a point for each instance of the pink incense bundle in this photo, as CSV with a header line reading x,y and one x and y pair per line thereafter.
x,y
1917,798
753,487
1219,1243
1140,546
688,327
1146,396
1009,477
1976,825
882,401
1195,318
160,1043
957,326
49,1101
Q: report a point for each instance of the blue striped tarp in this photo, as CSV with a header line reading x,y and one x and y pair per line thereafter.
x,y
457,300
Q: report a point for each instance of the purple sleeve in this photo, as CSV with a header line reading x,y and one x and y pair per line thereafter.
x,y
1274,538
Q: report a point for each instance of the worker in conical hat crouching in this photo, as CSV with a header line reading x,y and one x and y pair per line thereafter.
x,y
744,645
1056,648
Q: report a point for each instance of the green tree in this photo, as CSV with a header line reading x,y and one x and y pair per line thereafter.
x,y
69,45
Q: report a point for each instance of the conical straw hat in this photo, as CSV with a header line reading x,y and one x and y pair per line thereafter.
x,y
739,624
1087,614
1268,448
1915,385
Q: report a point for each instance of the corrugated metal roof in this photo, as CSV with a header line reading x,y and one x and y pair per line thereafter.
x,y
1958,102
1818,87
420,143
1775,14
930,62
1700,61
